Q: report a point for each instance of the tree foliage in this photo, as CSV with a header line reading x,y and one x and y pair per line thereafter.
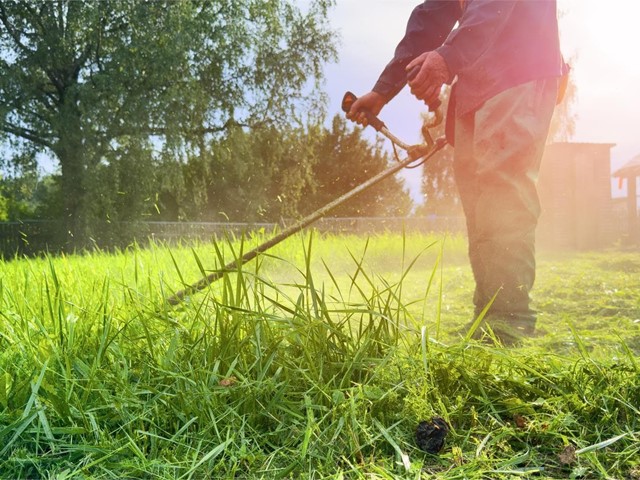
x,y
247,175
103,85
21,188
269,174
344,160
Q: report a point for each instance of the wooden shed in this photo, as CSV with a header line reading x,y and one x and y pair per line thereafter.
x,y
630,172
575,194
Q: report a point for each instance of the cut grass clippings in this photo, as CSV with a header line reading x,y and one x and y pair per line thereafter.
x,y
316,361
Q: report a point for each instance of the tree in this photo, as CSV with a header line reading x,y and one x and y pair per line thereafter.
x,y
247,175
267,174
87,81
19,183
344,160
264,173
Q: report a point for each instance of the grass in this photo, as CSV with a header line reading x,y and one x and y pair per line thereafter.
x,y
316,361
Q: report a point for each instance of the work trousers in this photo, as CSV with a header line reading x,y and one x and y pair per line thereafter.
x,y
498,150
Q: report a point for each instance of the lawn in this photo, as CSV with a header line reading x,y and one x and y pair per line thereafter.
x,y
317,360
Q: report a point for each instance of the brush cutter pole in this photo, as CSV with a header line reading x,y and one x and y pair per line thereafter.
x,y
203,283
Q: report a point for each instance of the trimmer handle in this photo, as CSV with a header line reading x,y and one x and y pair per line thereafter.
x,y
349,99
411,75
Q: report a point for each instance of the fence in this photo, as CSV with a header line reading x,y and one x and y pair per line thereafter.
x,y
364,225
173,231
32,237
27,238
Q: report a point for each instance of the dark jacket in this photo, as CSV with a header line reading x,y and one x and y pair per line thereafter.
x,y
497,44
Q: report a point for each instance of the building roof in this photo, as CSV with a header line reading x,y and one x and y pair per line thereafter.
x,y
629,169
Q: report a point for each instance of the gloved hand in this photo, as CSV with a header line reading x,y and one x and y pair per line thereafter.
x,y
433,73
371,101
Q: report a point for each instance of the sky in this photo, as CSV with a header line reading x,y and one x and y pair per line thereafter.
x,y
600,38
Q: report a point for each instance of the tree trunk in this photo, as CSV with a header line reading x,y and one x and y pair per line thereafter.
x,y
73,191
73,164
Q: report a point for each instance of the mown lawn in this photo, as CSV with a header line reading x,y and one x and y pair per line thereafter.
x,y
317,361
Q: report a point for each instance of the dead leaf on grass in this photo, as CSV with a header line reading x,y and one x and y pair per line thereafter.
x,y
519,420
568,455
228,382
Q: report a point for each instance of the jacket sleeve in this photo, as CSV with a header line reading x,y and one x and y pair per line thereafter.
x,y
427,28
479,26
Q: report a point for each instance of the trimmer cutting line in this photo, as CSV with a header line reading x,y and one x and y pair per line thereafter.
x,y
416,155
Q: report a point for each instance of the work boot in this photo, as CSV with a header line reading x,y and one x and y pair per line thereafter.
x,y
495,331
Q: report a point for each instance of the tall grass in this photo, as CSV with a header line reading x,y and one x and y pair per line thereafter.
x,y
316,361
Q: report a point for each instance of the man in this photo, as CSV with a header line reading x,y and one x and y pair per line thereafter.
x,y
505,59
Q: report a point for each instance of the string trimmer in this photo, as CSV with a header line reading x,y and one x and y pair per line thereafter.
x,y
415,155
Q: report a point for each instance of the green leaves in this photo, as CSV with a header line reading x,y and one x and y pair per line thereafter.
x,y
343,160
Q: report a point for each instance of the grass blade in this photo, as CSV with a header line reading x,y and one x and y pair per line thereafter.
x,y
603,444
213,453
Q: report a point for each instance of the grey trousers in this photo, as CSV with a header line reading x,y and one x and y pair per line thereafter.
x,y
498,150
